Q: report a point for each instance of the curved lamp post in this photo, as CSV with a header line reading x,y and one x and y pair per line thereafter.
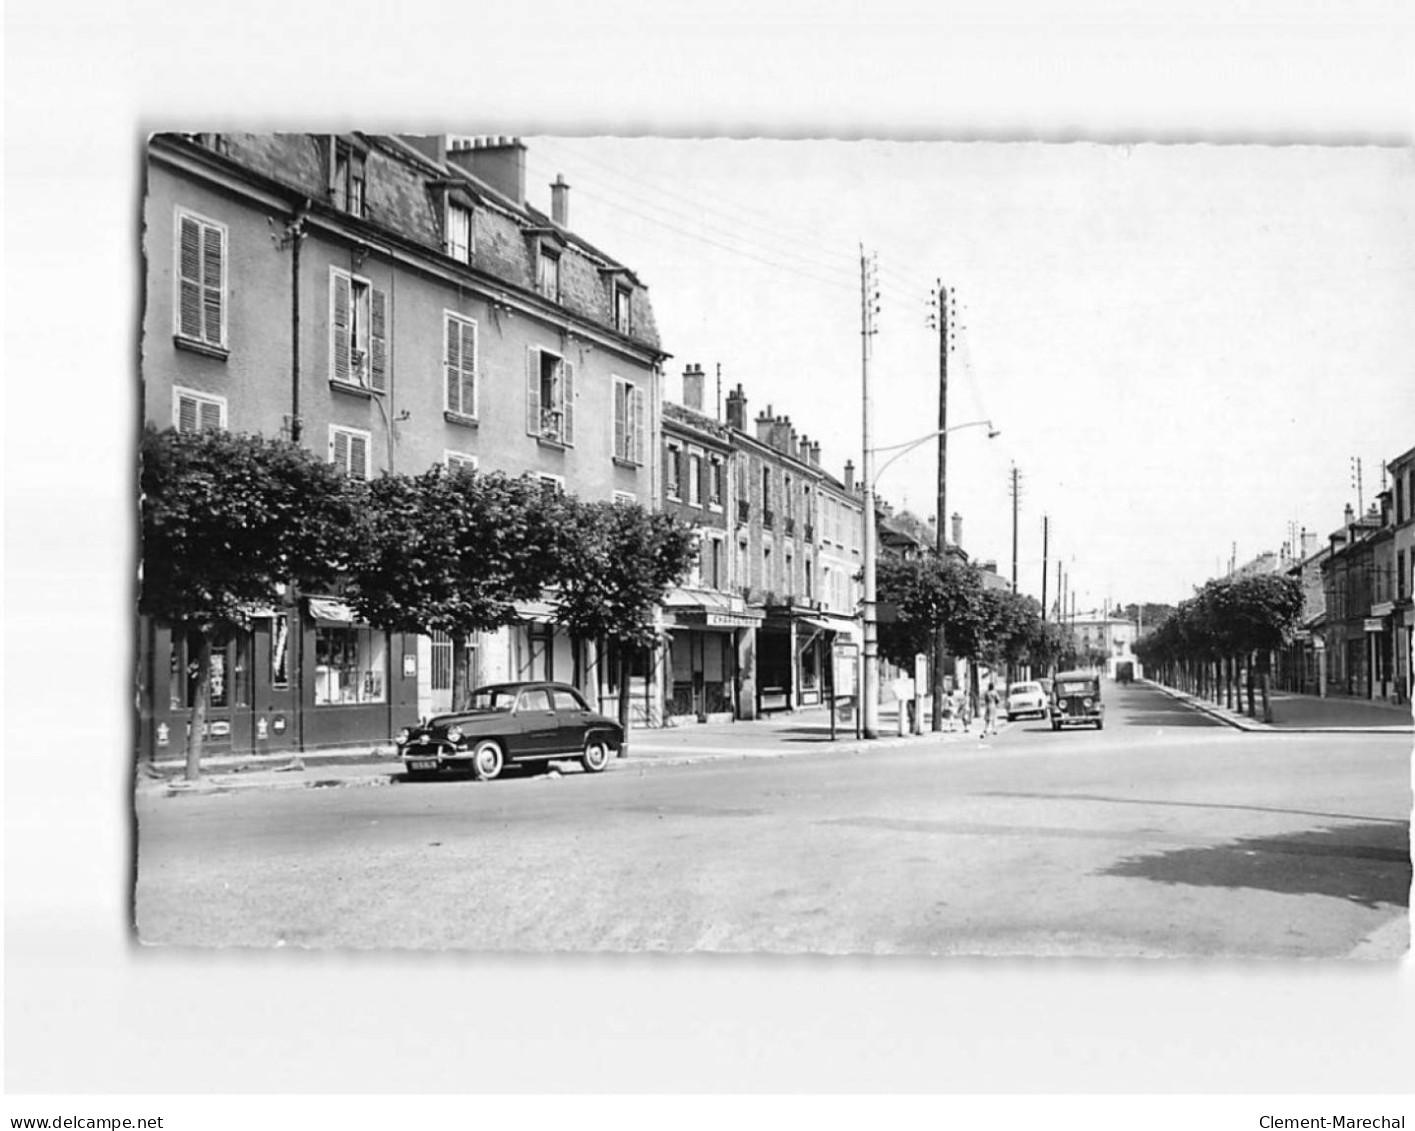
x,y
869,718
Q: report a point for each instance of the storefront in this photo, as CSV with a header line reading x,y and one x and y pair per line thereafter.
x,y
708,633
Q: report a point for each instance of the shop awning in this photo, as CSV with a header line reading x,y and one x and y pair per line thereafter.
x,y
327,608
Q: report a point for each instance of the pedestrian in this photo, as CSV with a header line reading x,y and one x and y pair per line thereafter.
x,y
991,702
965,716
946,707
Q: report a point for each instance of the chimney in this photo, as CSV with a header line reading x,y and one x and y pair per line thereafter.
x,y
783,436
500,162
560,201
693,387
957,523
1309,543
815,453
737,409
849,477
989,566
1350,515
765,425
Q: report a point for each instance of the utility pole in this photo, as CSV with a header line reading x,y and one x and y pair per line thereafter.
x,y
940,641
1016,492
869,307
1356,482
1044,567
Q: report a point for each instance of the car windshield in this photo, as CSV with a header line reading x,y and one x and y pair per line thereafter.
x,y
492,699
1075,687
1024,689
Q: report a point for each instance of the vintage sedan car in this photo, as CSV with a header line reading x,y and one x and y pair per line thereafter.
x,y
512,723
1076,701
1026,699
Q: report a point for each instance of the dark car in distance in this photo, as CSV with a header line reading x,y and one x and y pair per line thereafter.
x,y
1076,701
508,724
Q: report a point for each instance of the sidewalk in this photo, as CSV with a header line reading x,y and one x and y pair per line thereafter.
x,y
1306,714
776,736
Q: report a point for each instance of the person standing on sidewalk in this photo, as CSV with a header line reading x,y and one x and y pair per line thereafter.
x,y
990,706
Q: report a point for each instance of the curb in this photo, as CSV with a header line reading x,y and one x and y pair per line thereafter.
x,y
1223,715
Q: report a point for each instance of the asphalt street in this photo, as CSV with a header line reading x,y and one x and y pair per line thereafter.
x,y
1166,834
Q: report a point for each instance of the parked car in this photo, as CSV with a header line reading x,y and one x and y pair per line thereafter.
x,y
1076,701
1026,699
512,723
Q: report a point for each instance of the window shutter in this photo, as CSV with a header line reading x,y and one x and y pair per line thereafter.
x,y
452,363
469,368
533,390
213,267
358,457
340,360
339,449
639,421
189,273
622,424
186,414
567,396
210,413
378,339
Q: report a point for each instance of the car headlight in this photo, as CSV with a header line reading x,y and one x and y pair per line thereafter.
x,y
454,734
1086,703
403,736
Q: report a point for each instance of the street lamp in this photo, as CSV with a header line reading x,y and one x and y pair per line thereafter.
x,y
869,719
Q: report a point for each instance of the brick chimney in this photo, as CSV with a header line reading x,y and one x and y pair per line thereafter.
x,y
956,521
560,201
693,387
500,162
850,477
766,423
737,409
815,453
783,435
1309,543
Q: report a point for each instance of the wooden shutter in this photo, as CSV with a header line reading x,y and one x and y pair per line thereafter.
x,y
622,424
189,272
340,344
213,258
358,457
339,449
452,363
639,421
186,414
533,390
378,339
468,374
567,398
210,415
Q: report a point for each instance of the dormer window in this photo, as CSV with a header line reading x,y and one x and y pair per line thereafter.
x,y
622,309
346,183
548,274
459,232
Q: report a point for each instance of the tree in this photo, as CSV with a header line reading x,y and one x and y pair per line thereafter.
x,y
228,520
1266,610
619,562
454,553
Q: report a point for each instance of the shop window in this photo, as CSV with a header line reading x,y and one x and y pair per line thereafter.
x,y
350,665
280,651
185,672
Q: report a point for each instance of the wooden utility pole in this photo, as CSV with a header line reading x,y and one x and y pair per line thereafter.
x,y
1016,491
1044,567
869,689
940,641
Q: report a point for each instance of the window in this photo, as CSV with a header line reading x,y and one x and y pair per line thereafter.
x,y
201,280
350,665
441,661
695,480
715,577
358,332
348,451
347,183
197,412
548,274
790,578
766,567
537,699
673,472
459,232
568,700
715,483
460,461
550,397
622,309
790,500
808,579
624,499
280,651
1400,575
629,421
555,482
459,363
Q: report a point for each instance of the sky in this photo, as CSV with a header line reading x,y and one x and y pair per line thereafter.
x,y
1183,347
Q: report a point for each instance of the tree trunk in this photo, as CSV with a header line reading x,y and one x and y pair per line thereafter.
x,y
461,672
940,654
622,665
1252,709
1264,676
200,698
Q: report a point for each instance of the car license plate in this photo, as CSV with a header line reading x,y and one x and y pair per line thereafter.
x,y
422,763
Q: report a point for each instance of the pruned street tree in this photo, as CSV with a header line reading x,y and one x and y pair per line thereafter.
x,y
455,552
617,565
929,593
228,521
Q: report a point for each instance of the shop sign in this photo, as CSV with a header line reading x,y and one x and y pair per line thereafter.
x,y
277,724
410,665
1375,624
847,669
728,620
164,734
220,729
262,728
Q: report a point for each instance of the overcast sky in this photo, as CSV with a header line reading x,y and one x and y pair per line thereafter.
x,y
1184,346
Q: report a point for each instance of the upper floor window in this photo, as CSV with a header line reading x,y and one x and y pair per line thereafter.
x,y
673,472
548,274
715,482
459,232
197,412
629,421
348,451
459,363
347,179
358,331
550,397
695,480
201,280
623,309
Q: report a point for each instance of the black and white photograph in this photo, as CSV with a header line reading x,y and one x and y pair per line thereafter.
x,y
765,563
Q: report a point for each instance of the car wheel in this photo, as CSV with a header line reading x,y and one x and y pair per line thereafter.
x,y
1011,718
596,755
488,760
1055,725
1100,725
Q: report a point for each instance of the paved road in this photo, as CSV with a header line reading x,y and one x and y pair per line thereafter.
x,y
1164,834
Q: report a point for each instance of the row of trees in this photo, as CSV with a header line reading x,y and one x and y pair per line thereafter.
x,y
230,521
1226,632
995,627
